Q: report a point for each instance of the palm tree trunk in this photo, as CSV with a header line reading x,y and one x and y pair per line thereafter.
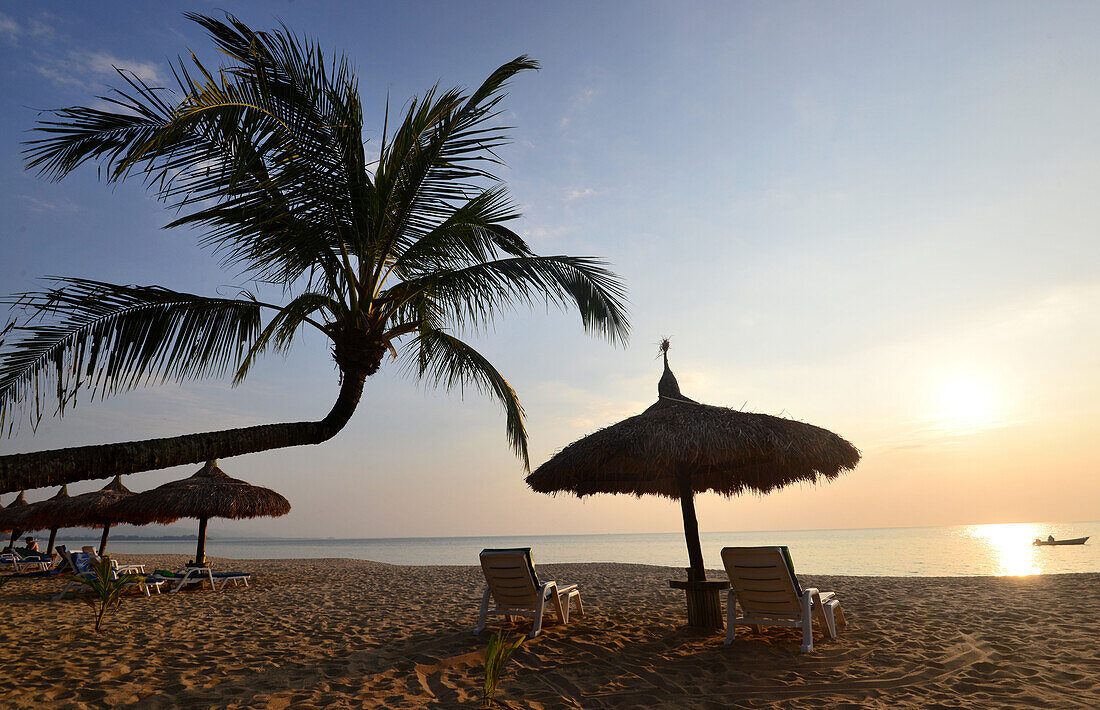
x,y
82,463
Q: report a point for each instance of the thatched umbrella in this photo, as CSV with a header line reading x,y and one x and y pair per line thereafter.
x,y
209,493
11,518
679,447
29,515
87,510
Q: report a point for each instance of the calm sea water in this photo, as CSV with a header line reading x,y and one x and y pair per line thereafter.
x,y
896,552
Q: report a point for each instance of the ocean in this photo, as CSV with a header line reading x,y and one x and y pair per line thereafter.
x,y
961,550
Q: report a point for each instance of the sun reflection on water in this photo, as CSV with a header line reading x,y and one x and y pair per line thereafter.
x,y
1009,547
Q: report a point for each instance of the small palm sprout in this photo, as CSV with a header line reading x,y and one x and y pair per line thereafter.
x,y
496,657
104,588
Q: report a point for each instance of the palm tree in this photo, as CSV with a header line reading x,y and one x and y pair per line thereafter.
x,y
266,156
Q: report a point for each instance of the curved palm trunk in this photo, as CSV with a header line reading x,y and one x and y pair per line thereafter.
x,y
82,463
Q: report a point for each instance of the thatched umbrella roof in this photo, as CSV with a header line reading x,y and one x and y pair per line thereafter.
x,y
12,514
87,510
679,447
209,493
723,450
39,516
23,516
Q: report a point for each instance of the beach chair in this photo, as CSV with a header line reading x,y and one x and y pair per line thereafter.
x,y
236,578
512,583
26,560
81,563
764,585
64,563
200,575
8,557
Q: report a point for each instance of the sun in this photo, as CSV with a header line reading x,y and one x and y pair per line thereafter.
x,y
966,403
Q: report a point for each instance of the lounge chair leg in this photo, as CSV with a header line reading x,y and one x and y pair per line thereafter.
x,y
830,620
561,609
540,609
807,623
483,613
580,607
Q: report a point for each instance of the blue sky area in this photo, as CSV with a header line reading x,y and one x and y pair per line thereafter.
x,y
878,218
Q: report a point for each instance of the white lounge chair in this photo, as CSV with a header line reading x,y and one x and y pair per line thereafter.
x,y
764,585
512,583
81,562
200,575
25,561
7,557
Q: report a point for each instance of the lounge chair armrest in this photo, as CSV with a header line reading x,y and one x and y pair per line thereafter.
x,y
548,588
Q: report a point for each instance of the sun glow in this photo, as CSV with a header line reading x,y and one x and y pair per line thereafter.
x,y
966,404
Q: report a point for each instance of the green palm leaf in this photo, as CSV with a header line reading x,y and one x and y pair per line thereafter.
x,y
476,293
108,338
443,359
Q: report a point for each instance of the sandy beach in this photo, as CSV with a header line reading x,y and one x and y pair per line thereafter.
x,y
350,634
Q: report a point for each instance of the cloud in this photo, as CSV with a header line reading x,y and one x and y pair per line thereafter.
x,y
537,235
581,100
90,69
36,205
11,31
584,410
103,64
574,193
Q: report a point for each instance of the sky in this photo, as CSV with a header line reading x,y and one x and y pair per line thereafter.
x,y
877,218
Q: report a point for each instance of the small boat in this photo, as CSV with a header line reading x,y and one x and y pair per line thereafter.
x,y
1073,541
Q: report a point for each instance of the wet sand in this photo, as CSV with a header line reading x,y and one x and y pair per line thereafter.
x,y
351,634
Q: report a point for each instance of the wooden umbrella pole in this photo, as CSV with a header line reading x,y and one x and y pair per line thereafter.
x,y
53,539
103,540
704,601
14,536
200,554
696,572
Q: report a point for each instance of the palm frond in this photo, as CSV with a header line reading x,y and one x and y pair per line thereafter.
x,y
477,293
443,359
436,156
274,142
106,338
279,333
472,233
